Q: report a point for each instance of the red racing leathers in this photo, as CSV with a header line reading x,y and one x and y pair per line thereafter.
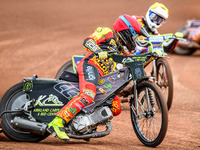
x,y
90,69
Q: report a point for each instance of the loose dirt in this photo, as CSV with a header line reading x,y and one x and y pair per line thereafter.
x,y
38,37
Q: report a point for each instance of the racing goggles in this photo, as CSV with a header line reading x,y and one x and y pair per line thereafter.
x,y
156,18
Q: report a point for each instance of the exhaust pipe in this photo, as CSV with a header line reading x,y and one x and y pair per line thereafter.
x,y
29,126
93,135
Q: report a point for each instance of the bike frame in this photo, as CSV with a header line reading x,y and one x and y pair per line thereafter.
x,y
135,62
156,42
38,89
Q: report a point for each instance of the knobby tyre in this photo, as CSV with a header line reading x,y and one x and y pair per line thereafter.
x,y
150,125
165,80
12,99
68,66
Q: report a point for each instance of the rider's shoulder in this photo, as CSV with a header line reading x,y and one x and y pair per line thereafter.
x,y
101,34
102,30
140,19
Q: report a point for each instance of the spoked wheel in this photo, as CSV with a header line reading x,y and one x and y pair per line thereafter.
x,y
149,115
68,66
16,98
165,80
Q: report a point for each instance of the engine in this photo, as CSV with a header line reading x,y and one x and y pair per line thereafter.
x,y
85,123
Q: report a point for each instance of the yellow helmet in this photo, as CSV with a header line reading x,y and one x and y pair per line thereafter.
x,y
156,15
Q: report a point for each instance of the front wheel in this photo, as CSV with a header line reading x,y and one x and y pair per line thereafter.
x,y
165,80
14,99
149,115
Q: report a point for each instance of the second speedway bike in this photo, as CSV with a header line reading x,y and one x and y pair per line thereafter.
x,y
189,46
28,107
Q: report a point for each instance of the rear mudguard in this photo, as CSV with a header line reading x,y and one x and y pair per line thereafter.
x,y
50,96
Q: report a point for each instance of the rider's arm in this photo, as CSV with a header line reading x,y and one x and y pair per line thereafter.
x,y
100,35
141,44
91,45
170,45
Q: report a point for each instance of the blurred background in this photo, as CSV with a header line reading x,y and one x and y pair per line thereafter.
x,y
39,36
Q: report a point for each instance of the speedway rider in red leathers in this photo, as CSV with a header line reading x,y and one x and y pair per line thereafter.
x,y
91,68
156,15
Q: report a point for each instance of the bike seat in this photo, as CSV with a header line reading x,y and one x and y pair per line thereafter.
x,y
68,76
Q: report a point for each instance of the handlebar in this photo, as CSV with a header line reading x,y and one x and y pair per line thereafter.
x,y
110,52
159,39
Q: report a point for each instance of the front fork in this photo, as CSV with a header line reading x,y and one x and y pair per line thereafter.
x,y
148,97
133,101
155,71
135,97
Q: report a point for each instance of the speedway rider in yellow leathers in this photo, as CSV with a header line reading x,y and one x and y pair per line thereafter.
x,y
96,64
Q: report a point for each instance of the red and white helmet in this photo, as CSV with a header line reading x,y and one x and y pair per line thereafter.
x,y
127,28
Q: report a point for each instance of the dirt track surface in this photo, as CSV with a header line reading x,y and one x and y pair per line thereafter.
x,y
38,37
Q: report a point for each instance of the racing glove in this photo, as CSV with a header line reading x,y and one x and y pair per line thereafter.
x,y
178,35
103,55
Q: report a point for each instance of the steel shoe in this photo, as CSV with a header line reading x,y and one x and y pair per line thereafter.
x,y
56,128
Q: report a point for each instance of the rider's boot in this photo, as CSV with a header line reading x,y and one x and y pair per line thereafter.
x,y
67,113
56,128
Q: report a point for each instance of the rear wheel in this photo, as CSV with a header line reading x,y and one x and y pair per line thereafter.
x,y
15,98
150,120
165,80
68,66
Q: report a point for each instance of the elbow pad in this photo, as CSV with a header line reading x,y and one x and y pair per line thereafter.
x,y
91,45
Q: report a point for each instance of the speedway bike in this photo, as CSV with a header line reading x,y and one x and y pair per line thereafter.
x,y
188,46
161,71
28,107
